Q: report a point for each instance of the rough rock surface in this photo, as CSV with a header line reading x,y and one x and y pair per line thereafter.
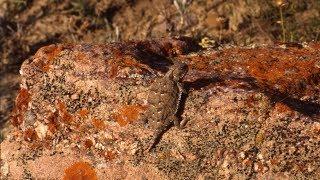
x,y
253,112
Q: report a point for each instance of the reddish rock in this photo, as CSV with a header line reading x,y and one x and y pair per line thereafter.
x,y
253,112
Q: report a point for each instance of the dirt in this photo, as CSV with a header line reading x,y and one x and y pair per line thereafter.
x,y
27,25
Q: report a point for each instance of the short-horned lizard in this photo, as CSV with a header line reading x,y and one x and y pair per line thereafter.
x,y
164,100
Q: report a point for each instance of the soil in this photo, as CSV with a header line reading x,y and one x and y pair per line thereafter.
x,y
27,25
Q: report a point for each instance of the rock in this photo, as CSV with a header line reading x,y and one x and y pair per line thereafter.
x,y
77,113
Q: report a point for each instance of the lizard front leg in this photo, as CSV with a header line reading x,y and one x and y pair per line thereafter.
x,y
182,90
179,124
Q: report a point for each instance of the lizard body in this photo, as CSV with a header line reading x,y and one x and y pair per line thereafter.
x,y
164,100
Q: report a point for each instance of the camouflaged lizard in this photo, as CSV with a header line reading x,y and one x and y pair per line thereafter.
x,y
164,100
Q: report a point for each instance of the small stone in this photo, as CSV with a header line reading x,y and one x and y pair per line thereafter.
x,y
242,155
99,146
75,96
258,167
317,64
225,164
260,156
4,170
41,130
134,148
292,149
310,168
177,154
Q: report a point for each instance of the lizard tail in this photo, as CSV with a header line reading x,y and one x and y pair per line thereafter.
x,y
158,135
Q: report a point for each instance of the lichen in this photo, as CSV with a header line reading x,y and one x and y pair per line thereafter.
x,y
53,123
127,114
83,113
30,135
109,155
21,106
50,53
88,143
66,117
98,124
80,170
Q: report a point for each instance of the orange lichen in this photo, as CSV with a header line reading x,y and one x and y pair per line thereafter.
x,y
280,69
53,124
47,142
83,112
125,61
127,114
247,162
61,106
250,101
88,143
120,120
259,167
66,117
30,135
46,68
130,62
109,155
136,53
16,119
23,99
274,161
199,62
81,57
64,114
282,108
286,70
99,124
21,104
113,71
50,52
80,170
36,145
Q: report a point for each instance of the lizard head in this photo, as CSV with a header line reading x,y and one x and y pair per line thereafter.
x,y
178,71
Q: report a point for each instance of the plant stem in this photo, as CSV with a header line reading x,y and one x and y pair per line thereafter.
x,y
282,25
